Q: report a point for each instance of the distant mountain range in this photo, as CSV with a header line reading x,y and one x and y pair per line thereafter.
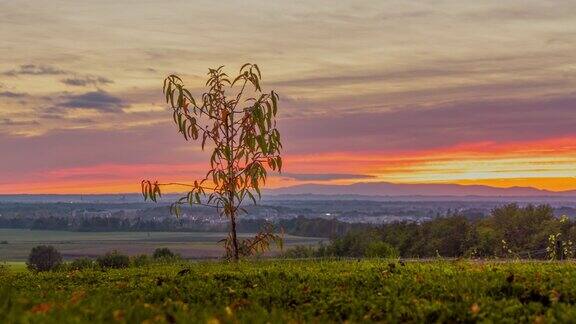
x,y
396,190
361,190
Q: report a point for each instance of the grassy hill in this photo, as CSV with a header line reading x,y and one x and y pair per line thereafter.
x,y
282,291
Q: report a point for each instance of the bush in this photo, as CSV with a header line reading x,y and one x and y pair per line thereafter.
x,y
82,263
163,253
380,249
3,242
140,260
44,258
114,260
358,244
300,252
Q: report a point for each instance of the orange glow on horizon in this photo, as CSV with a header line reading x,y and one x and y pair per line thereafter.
x,y
121,187
547,164
552,184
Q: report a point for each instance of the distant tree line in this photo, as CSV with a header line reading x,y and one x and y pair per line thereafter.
x,y
531,231
510,231
300,226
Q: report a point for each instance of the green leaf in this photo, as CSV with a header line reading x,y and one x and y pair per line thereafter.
x,y
274,102
168,92
268,115
151,193
204,136
258,70
251,196
256,82
243,66
261,143
237,78
175,116
144,190
189,96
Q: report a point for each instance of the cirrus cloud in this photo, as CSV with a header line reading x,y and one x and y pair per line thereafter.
x,y
13,95
86,80
33,69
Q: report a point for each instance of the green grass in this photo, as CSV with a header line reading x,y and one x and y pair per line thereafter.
x,y
92,244
18,266
301,291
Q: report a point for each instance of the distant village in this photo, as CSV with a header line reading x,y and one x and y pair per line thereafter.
x,y
130,215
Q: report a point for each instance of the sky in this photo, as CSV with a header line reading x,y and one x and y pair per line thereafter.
x,y
456,91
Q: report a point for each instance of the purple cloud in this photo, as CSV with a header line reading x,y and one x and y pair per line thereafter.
x,y
439,126
33,69
156,144
13,95
87,80
97,100
325,176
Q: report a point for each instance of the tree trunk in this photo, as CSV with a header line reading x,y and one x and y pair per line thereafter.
x,y
234,237
231,186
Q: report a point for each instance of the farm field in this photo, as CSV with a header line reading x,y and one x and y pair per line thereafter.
x,y
91,244
302,291
14,265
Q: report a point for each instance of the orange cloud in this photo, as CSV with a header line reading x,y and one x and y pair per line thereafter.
x,y
546,164
552,184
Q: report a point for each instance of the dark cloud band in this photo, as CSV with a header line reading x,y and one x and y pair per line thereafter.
x,y
325,176
14,95
97,100
33,69
84,81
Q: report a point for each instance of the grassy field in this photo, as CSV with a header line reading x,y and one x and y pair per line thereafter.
x,y
300,291
17,266
92,244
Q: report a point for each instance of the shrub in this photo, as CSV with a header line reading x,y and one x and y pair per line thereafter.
x,y
358,244
44,258
82,263
380,249
300,252
114,260
140,260
3,242
163,253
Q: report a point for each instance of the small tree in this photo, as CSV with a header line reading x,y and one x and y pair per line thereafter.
x,y
44,258
82,263
240,127
163,253
114,260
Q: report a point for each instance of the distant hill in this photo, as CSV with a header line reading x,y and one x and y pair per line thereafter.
x,y
393,189
361,190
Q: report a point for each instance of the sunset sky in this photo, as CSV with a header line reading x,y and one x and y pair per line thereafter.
x,y
469,92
